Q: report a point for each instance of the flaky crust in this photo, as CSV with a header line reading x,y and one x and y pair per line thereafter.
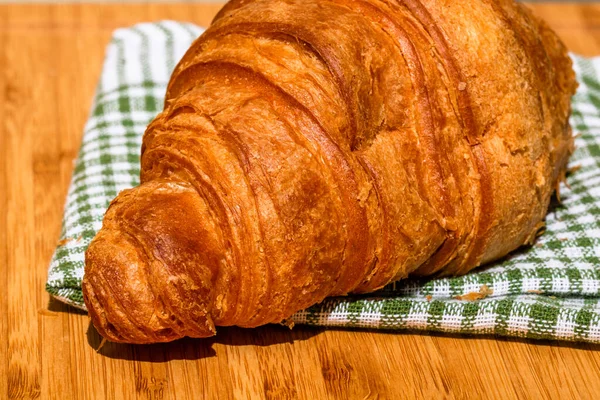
x,y
318,148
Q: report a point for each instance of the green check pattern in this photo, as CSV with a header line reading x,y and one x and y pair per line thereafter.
x,y
548,291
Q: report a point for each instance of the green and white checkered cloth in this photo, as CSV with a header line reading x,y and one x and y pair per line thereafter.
x,y
550,290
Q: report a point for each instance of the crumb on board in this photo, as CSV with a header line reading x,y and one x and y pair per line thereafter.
x,y
484,291
538,245
429,297
573,169
535,291
288,323
64,241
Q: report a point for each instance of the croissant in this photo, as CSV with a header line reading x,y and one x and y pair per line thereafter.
x,y
319,148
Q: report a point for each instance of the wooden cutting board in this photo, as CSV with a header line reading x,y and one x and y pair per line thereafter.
x,y
50,59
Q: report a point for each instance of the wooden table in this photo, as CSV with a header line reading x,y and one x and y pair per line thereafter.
x,y
50,59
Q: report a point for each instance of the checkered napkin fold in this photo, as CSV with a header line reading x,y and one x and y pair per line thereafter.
x,y
548,291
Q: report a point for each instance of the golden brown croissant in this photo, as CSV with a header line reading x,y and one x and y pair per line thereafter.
x,y
318,148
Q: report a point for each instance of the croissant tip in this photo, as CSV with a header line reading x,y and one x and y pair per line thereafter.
x,y
117,281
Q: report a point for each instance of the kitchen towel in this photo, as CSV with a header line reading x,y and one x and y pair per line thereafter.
x,y
550,290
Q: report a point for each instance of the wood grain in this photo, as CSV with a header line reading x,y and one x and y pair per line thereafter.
x,y
50,60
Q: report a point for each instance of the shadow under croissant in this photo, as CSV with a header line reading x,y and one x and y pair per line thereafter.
x,y
193,349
